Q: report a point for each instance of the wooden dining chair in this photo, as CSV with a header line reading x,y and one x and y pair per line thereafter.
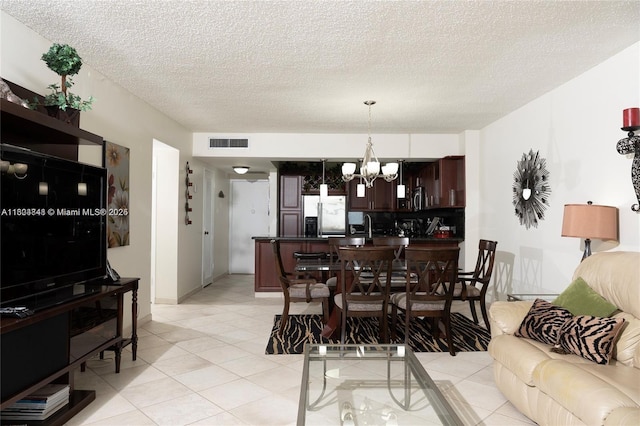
x,y
473,285
429,295
398,244
318,256
334,244
364,297
298,289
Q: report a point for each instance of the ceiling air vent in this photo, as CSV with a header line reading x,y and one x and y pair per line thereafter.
x,y
228,143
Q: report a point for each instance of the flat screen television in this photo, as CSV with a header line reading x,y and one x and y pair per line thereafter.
x,y
52,227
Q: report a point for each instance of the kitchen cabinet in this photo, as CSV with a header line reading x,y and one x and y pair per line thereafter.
x,y
452,181
381,197
442,179
266,278
291,213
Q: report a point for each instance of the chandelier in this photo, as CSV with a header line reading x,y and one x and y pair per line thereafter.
x,y
370,168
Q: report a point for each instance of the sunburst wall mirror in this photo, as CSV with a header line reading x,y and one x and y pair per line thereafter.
x,y
531,189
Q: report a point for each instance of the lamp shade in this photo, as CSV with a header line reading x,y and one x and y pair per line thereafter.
x,y
348,168
372,168
590,221
390,169
324,191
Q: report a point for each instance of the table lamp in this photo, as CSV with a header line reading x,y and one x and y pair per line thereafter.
x,y
590,221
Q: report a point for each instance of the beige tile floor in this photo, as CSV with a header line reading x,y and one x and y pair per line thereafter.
x,y
202,363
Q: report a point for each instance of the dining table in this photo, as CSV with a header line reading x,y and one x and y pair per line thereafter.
x,y
329,266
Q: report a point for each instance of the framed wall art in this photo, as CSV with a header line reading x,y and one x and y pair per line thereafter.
x,y
117,162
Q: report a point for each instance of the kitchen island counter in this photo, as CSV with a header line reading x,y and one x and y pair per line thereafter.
x,y
266,279
324,239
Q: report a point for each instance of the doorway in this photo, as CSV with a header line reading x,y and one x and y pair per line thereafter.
x,y
248,217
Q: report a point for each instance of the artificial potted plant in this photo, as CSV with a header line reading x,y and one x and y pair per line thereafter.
x,y
61,103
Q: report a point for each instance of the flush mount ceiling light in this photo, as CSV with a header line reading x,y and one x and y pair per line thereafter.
x,y
240,169
370,168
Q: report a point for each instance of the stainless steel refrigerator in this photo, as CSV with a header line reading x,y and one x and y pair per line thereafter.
x,y
331,213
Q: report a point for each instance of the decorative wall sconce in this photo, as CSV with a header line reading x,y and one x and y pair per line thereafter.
x,y
18,170
590,221
43,188
531,189
631,145
189,185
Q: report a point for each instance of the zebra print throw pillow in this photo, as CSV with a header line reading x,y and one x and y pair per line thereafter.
x,y
543,322
590,337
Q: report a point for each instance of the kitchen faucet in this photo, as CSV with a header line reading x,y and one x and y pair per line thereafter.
x,y
366,216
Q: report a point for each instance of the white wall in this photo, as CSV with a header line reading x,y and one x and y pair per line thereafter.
x,y
575,127
164,238
220,224
312,145
122,118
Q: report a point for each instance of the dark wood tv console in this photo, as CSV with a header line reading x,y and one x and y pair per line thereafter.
x,y
49,345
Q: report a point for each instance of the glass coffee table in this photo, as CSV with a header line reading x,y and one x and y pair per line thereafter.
x,y
353,385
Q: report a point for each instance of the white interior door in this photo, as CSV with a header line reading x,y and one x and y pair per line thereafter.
x,y
248,217
207,228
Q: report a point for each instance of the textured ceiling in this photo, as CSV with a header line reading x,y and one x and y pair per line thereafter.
x,y
307,66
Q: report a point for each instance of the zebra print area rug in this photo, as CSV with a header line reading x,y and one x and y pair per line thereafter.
x,y
301,329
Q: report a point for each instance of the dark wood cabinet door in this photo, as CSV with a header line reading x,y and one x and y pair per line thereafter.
x,y
266,278
290,192
290,223
452,179
291,209
440,178
431,182
383,195
357,203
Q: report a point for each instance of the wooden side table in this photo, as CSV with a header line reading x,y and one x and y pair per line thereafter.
x,y
126,285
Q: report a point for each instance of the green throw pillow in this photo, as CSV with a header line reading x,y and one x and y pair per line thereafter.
x,y
580,299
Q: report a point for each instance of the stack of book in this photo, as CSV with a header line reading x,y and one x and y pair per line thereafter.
x,y
40,404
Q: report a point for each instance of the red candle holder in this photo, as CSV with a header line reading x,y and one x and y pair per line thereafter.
x,y
631,119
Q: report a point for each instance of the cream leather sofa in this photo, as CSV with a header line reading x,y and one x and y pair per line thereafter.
x,y
555,389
